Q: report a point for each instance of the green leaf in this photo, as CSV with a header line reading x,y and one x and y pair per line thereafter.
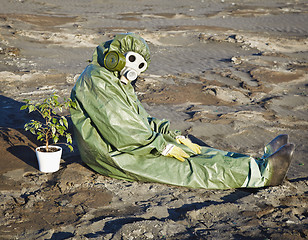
x,y
53,129
43,106
55,139
65,122
26,126
73,104
23,107
36,124
45,114
61,131
71,148
69,138
31,108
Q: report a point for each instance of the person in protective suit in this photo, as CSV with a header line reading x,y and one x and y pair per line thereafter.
x,y
118,138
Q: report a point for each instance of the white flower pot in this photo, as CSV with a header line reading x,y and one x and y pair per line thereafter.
x,y
49,161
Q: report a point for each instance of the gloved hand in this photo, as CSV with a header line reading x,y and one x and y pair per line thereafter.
x,y
175,152
194,147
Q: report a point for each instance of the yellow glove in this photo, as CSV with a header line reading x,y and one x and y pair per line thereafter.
x,y
194,147
176,152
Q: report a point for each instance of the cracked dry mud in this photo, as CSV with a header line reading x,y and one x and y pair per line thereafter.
x,y
231,74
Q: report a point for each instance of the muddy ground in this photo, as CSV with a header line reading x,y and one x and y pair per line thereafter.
x,y
231,74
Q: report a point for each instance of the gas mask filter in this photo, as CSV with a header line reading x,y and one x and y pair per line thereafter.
x,y
130,65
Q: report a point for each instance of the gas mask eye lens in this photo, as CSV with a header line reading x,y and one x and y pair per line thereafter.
x,y
141,65
132,58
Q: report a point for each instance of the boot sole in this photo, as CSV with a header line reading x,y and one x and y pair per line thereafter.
x,y
279,164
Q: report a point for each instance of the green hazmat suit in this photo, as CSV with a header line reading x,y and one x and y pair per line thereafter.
x,y
118,138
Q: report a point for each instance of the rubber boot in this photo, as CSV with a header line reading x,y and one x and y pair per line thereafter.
x,y
279,164
276,143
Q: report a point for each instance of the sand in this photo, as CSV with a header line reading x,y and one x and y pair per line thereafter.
x,y
230,74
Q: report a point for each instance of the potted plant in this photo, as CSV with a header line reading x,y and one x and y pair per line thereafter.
x,y
50,129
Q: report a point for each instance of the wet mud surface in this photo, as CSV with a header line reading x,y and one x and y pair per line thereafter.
x,y
231,74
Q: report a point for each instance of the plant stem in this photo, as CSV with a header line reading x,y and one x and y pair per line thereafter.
x,y
47,133
47,141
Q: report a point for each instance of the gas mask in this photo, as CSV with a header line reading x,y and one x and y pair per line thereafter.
x,y
130,65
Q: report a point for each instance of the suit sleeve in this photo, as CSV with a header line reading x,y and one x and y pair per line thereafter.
x,y
115,118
